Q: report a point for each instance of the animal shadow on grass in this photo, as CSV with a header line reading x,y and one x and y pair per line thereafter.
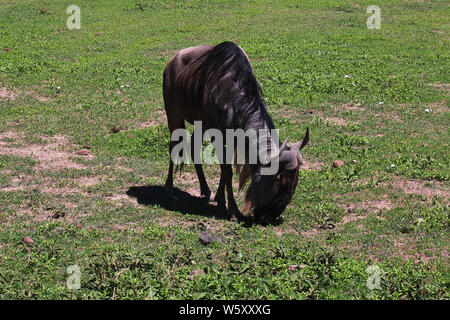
x,y
184,202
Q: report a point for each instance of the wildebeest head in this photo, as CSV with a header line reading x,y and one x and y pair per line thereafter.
x,y
269,195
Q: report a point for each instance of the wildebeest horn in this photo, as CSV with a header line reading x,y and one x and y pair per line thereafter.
x,y
296,147
305,139
283,146
302,143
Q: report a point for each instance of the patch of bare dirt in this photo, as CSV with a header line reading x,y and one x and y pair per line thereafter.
x,y
41,98
438,31
8,94
21,184
389,116
419,187
350,107
169,221
190,179
191,185
439,107
399,247
8,136
311,165
58,190
122,199
25,183
37,96
280,231
50,156
120,227
40,214
336,121
361,210
292,115
151,123
156,118
406,249
382,204
193,191
441,86
419,1
352,217
128,226
88,181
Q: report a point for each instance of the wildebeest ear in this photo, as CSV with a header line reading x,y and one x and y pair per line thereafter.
x,y
298,154
288,160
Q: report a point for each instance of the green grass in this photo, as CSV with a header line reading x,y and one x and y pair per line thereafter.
x,y
387,206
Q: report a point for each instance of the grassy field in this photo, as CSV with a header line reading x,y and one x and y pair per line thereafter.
x,y
86,196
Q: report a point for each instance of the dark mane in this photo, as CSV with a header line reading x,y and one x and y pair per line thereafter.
x,y
209,71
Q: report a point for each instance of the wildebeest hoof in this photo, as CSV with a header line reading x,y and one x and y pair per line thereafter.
x,y
206,198
206,195
236,216
219,203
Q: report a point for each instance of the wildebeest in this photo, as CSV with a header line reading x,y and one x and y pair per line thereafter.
x,y
216,85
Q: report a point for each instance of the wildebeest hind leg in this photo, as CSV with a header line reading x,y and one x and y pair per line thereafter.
x,y
204,189
169,181
220,194
233,210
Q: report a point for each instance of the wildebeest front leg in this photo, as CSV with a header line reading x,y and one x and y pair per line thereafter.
x,y
233,210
